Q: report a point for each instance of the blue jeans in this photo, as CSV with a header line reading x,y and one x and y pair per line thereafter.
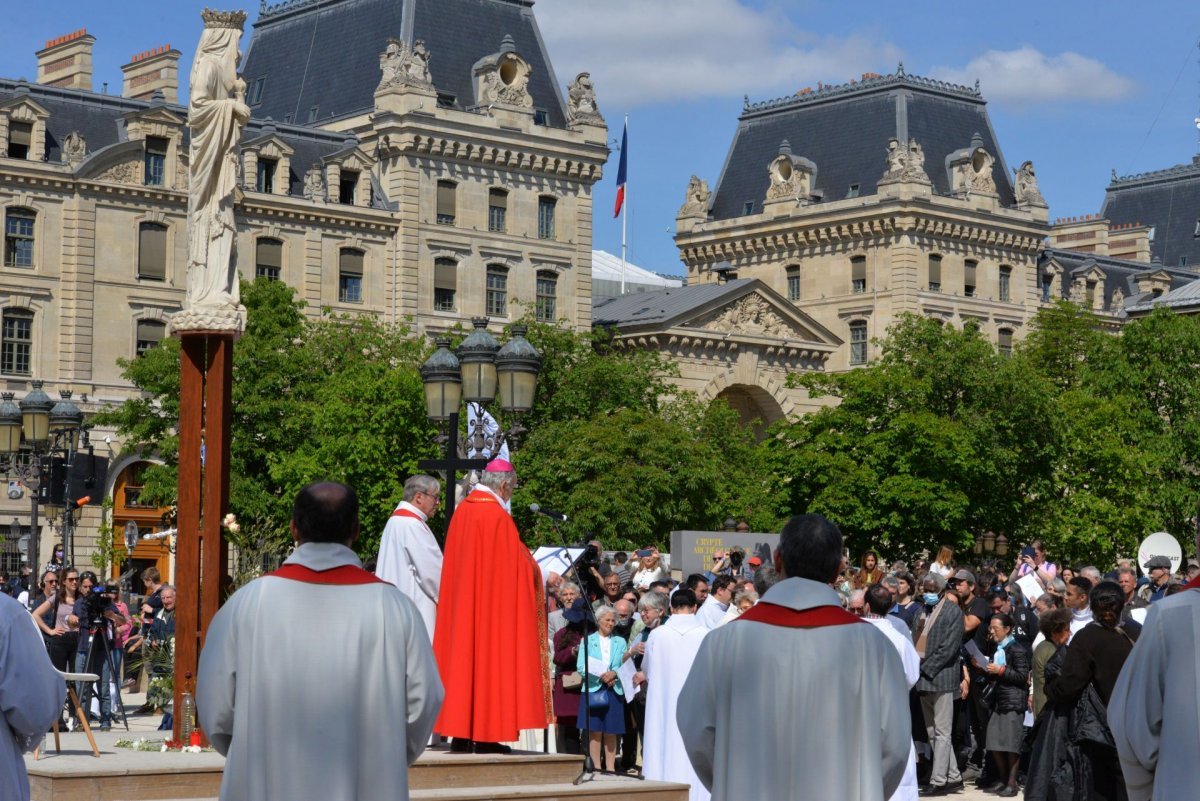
x,y
99,666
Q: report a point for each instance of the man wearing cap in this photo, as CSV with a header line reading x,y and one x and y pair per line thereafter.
x,y
1159,568
1154,709
494,658
409,556
976,616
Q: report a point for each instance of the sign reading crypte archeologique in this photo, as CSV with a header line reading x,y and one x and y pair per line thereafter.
x,y
692,551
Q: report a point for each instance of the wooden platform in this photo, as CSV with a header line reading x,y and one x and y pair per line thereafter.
x,y
120,774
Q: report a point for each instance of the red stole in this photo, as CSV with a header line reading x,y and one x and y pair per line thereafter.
x,y
814,618
344,575
1194,584
407,513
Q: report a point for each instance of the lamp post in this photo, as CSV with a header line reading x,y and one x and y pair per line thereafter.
x,y
479,372
34,432
130,534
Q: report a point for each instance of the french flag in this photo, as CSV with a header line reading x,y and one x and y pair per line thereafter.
x,y
621,171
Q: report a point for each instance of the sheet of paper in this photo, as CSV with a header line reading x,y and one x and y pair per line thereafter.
x,y
556,559
1028,718
625,674
596,667
1030,587
978,657
1140,615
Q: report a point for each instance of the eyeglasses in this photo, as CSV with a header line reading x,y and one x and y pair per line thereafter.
x,y
71,578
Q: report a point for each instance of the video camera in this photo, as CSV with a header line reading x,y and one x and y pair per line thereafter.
x,y
95,603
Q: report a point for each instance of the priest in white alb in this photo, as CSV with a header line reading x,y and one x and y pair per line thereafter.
x,y
409,556
798,699
670,651
318,680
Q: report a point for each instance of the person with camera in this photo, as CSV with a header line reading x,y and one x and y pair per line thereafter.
x,y
1032,562
97,619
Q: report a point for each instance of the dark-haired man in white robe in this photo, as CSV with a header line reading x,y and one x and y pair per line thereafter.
x,y
797,698
318,680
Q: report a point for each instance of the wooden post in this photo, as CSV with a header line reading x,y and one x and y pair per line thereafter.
x,y
205,409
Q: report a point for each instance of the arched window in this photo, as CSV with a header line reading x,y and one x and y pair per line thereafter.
x,y
497,291
18,237
16,342
150,334
547,297
152,252
858,342
445,284
793,282
268,258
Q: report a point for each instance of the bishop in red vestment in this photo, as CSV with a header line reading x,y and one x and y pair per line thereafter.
x,y
491,642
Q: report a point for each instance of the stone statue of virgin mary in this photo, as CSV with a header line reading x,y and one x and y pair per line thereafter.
x,y
217,115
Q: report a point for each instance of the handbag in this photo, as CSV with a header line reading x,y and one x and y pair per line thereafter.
x,y
598,700
572,682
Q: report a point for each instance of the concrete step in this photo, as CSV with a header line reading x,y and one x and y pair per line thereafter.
x,y
439,768
597,790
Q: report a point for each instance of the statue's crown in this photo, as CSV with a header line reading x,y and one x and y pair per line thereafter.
x,y
223,19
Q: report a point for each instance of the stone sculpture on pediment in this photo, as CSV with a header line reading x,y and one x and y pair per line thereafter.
x,y
74,149
1026,186
581,101
696,201
1118,300
753,314
401,65
127,172
314,184
975,174
503,78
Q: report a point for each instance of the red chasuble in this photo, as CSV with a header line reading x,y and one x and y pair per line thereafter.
x,y
491,638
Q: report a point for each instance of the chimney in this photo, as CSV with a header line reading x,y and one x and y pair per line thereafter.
x,y
150,71
67,61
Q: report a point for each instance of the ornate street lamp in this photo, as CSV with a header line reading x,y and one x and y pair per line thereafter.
x,y
443,382
989,541
66,419
978,548
477,356
131,537
35,414
730,524
10,424
1001,545
14,530
517,366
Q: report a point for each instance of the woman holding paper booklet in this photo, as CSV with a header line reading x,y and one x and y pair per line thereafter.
x,y
1009,671
604,701
1032,562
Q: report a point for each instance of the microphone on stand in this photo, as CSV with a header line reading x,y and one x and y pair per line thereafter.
x,y
550,513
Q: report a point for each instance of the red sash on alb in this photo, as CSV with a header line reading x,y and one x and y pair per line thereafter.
x,y
1194,584
345,574
407,513
814,618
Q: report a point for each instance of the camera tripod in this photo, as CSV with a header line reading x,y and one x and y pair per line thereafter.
x,y
102,645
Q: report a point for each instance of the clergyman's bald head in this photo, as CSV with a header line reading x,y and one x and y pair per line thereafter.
x,y
326,512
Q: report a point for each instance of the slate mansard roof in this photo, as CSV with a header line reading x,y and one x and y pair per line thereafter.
x,y
100,120
324,54
1169,201
845,129
1120,274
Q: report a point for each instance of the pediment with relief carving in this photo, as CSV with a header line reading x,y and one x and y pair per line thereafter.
x,y
755,315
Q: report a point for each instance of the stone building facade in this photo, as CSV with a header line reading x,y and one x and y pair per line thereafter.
x,y
419,162
860,202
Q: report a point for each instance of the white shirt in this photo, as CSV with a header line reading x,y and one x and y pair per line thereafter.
x,y
711,612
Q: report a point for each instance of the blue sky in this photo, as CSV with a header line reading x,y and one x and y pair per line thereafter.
x,y
1081,88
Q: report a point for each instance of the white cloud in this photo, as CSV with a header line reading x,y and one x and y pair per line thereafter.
x,y
1026,77
654,51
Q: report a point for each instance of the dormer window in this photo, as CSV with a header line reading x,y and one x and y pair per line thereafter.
x,y
20,140
155,161
265,179
256,90
748,208
312,113
853,191
347,186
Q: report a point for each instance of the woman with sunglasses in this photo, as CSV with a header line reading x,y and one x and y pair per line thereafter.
x,y
62,639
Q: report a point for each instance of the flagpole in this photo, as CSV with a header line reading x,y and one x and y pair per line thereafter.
x,y
624,208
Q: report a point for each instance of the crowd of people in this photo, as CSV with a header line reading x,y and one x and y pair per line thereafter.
x,y
815,674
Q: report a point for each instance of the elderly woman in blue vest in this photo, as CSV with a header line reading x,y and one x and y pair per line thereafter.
x,y
604,702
